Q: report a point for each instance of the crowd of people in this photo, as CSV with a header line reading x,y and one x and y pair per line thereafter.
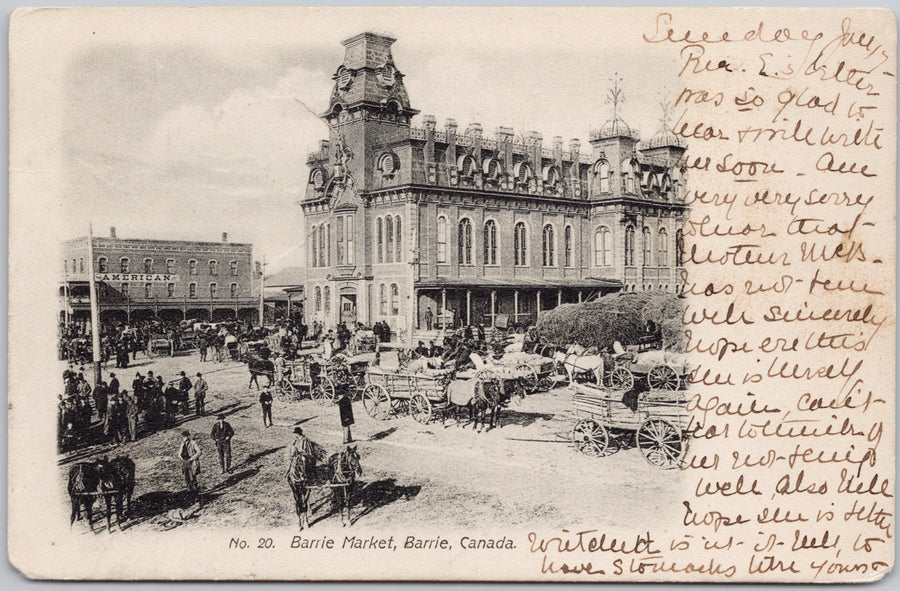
x,y
113,414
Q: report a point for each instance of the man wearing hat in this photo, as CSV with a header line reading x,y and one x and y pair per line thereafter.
x,y
189,454
184,386
113,383
200,389
222,434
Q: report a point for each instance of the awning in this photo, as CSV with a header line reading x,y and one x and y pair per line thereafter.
x,y
517,283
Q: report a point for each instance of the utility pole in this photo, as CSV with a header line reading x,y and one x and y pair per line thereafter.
x,y
261,267
95,310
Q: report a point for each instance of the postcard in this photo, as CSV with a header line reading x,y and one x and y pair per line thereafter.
x,y
452,294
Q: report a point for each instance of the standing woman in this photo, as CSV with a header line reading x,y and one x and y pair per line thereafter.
x,y
189,454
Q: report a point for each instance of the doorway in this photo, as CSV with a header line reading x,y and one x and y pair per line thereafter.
x,y
348,309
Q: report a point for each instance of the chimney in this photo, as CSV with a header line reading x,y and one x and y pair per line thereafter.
x,y
504,134
557,142
429,122
224,236
450,126
112,231
534,138
474,130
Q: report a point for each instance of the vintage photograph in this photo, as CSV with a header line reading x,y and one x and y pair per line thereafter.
x,y
413,353
557,294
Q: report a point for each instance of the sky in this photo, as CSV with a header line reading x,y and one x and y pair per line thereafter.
x,y
188,131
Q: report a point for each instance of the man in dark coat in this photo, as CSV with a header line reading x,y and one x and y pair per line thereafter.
x,y
345,407
184,387
137,386
222,434
113,383
265,401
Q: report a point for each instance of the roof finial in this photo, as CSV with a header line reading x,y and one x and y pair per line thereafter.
x,y
615,95
666,107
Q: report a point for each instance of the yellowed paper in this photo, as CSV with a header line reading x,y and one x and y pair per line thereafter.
x,y
741,158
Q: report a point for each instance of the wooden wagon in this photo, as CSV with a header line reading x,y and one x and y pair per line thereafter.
x,y
159,346
657,423
391,393
323,380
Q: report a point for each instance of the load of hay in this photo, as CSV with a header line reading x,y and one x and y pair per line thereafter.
x,y
622,317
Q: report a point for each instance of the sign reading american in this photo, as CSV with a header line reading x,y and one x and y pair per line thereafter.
x,y
137,277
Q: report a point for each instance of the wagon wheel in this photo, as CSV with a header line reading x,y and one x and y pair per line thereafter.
x,y
661,442
357,385
287,390
590,438
377,402
420,408
662,377
545,384
399,406
325,392
486,375
620,378
529,377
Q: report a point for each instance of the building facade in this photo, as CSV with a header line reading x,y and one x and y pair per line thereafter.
x,y
169,279
418,226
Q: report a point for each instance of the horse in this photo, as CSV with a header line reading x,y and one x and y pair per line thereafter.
x,y
99,478
344,467
125,469
479,396
260,367
341,471
574,363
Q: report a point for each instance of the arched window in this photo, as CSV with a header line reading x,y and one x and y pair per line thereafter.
x,y
382,299
74,266
81,265
548,245
327,297
662,256
379,239
398,238
322,245
124,290
234,268
234,290
170,266
679,248
389,240
213,267
192,267
490,243
123,265
465,242
101,265
567,247
395,299
604,177
520,244
647,245
602,247
318,299
66,266
192,290
213,291
148,265
629,246
170,290
442,239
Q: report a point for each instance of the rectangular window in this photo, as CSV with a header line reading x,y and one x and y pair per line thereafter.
x,y
148,290
101,265
395,300
170,290
382,299
123,266
125,289
339,237
234,290
192,290
351,256
148,266
170,266
213,291
213,268
234,268
192,267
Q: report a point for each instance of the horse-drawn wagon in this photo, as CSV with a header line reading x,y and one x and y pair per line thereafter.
x,y
159,346
323,380
606,422
392,393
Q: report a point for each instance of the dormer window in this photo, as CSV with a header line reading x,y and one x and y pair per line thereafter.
x,y
345,76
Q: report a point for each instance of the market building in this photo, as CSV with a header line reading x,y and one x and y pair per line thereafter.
x,y
422,227
167,279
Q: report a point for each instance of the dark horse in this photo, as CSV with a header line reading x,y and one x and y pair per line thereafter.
x,y
113,480
483,401
339,473
260,367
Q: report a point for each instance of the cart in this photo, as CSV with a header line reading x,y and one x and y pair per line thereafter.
x,y
392,393
159,346
605,423
660,370
362,341
323,380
